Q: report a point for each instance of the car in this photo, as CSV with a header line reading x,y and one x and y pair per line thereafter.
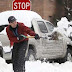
x,y
49,47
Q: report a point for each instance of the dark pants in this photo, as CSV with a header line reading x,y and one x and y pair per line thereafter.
x,y
18,56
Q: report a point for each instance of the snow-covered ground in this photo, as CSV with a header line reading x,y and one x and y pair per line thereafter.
x,y
37,66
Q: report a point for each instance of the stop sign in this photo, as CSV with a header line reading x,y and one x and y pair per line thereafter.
x,y
21,5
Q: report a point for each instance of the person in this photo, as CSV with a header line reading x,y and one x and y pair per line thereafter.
x,y
15,31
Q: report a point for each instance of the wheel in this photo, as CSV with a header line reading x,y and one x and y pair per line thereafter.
x,y
1,51
31,55
69,55
61,60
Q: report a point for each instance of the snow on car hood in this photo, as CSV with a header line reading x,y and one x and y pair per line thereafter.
x,y
21,16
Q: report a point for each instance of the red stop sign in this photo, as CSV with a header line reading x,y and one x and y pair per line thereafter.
x,y
21,5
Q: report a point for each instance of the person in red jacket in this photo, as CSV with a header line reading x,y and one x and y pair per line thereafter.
x,y
15,32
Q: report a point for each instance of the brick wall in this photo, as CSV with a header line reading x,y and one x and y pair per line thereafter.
x,y
49,9
5,5
37,6
46,8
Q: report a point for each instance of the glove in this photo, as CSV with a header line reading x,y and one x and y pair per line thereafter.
x,y
37,36
20,37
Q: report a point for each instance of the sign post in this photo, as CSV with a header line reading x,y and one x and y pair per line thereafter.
x,y
21,5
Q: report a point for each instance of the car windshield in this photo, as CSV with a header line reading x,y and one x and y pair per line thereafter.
x,y
42,27
50,26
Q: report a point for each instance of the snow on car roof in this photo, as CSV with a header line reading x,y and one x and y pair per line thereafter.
x,y
23,16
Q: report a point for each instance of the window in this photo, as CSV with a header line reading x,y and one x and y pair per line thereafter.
x,y
50,26
32,28
42,27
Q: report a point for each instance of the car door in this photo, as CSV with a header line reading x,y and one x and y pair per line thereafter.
x,y
41,29
50,48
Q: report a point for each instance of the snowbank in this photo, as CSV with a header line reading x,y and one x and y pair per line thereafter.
x,y
21,16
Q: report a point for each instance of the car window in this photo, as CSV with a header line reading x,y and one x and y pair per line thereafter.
x,y
32,28
50,26
42,27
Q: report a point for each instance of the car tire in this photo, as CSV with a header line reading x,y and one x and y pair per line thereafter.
x,y
31,55
1,52
68,57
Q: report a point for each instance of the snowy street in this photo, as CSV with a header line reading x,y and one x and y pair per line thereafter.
x,y
37,66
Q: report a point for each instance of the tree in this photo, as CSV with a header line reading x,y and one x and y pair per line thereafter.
x,y
63,9
68,9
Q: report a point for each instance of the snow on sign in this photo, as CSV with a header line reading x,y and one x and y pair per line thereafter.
x,y
21,5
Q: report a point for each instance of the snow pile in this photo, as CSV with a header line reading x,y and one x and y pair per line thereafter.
x,y
21,16
4,67
63,27
63,23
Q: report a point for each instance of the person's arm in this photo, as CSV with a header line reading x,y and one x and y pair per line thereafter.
x,y
28,30
11,38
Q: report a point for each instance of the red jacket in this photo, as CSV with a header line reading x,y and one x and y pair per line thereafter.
x,y
22,29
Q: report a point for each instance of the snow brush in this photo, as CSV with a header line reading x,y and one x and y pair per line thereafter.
x,y
32,36
27,36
